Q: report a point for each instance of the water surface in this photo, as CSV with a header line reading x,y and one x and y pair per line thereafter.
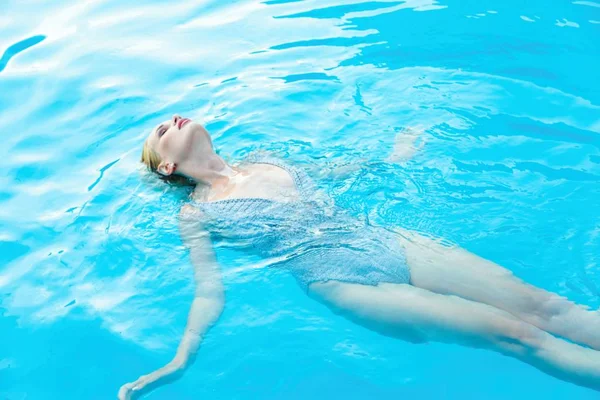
x,y
94,281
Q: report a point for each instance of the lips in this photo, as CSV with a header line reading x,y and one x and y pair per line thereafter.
x,y
182,122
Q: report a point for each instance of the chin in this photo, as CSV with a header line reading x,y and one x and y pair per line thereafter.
x,y
194,126
198,136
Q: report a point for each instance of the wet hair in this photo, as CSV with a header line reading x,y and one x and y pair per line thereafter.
x,y
150,157
152,160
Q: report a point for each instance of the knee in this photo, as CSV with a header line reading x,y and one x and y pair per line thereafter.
x,y
555,306
520,337
547,307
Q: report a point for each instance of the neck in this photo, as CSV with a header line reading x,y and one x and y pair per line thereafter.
x,y
209,170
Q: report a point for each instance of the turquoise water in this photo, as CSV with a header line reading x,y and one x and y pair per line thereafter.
x,y
94,282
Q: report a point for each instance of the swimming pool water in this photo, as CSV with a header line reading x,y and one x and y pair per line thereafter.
x,y
95,284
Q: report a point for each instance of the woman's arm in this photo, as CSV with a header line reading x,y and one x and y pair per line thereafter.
x,y
206,308
406,144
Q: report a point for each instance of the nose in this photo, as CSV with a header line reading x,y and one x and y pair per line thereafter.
x,y
176,119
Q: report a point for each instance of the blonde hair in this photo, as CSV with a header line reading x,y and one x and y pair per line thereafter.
x,y
150,157
152,160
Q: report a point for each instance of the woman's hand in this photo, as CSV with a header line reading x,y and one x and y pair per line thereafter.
x,y
132,390
407,143
126,391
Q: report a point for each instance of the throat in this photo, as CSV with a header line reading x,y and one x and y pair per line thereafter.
x,y
223,187
256,181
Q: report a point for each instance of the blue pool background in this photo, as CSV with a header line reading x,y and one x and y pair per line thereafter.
x,y
94,282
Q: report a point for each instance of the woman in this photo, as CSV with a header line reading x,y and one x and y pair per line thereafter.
x,y
400,284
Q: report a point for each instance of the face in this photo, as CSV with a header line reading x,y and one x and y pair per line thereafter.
x,y
178,141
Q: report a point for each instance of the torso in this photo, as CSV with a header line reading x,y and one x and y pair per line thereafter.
x,y
273,210
253,181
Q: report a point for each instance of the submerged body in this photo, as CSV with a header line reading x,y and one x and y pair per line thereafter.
x,y
316,243
400,284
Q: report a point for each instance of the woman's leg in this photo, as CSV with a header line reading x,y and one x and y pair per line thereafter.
x,y
451,270
410,313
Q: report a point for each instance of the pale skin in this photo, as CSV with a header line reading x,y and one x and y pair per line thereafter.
x,y
453,297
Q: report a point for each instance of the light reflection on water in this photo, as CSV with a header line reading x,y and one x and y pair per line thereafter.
x,y
94,281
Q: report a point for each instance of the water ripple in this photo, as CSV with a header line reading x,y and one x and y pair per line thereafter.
x,y
19,47
506,100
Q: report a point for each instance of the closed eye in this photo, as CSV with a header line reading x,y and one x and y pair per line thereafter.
x,y
161,131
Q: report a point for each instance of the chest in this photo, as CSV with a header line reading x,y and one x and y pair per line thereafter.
x,y
262,181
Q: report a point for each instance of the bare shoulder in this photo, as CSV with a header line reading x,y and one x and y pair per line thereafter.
x,y
189,211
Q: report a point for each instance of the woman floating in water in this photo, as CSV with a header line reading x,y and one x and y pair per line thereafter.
x,y
399,284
